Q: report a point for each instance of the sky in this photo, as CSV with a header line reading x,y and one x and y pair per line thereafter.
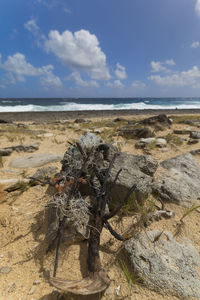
x,y
99,48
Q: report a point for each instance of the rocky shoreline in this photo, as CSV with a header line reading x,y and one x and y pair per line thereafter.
x,y
51,116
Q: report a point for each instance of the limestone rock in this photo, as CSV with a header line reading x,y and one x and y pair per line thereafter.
x,y
195,134
180,180
164,264
137,170
34,161
130,133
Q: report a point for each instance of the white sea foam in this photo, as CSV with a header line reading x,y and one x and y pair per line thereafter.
x,y
72,106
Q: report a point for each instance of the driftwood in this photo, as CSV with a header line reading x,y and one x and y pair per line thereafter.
x,y
97,281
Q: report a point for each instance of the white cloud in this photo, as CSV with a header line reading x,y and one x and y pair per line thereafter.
x,y
18,68
120,71
32,26
179,79
195,44
170,62
115,84
80,51
138,84
157,66
80,82
197,7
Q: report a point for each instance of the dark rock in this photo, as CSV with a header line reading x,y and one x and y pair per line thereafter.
x,y
180,180
162,119
5,151
195,134
182,131
165,265
4,121
192,141
80,121
195,152
135,133
118,120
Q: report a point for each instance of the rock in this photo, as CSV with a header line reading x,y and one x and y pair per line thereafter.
x,y
147,140
137,170
80,121
192,141
165,265
182,131
12,184
5,151
34,161
195,134
161,119
135,133
4,121
118,120
32,290
5,270
160,142
20,148
195,152
43,173
180,180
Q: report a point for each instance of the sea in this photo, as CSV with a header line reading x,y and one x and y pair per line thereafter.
x,y
77,104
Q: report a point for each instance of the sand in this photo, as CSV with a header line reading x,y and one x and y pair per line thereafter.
x,y
22,221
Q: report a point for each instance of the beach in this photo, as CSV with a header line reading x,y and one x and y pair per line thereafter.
x,y
22,212
51,116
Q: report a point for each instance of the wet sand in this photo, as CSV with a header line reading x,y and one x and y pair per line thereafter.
x,y
68,115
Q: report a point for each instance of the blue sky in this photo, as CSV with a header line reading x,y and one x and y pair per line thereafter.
x,y
99,48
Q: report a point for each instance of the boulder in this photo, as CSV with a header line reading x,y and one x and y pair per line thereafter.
x,y
137,170
34,161
161,119
43,173
179,181
164,264
135,133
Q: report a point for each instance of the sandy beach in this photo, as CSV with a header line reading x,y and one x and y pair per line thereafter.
x,y
22,215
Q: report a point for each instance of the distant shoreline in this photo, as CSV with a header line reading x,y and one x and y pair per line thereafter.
x,y
50,116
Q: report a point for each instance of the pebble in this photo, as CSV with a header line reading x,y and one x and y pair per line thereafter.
x,y
36,282
32,290
5,270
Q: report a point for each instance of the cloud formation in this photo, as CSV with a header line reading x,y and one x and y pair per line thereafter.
x,y
195,45
79,51
138,84
158,66
75,76
120,71
197,7
190,78
116,84
18,68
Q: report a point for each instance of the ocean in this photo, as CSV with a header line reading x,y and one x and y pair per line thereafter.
x,y
77,104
